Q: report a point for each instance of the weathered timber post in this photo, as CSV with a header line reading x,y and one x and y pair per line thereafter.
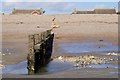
x,y
40,50
30,57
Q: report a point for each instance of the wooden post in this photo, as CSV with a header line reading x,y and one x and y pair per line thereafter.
x,y
31,55
40,50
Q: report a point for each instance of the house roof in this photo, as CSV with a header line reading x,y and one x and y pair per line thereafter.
x,y
105,11
99,11
17,11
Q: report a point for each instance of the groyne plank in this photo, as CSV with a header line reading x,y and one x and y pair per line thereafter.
x,y
40,50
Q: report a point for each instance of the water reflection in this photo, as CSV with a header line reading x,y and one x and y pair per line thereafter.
x,y
52,67
20,68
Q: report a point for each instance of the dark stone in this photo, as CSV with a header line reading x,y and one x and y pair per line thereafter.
x,y
99,47
21,22
100,40
38,26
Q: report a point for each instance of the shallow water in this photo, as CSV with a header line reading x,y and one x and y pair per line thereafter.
x,y
58,66
20,68
115,73
104,66
52,67
88,47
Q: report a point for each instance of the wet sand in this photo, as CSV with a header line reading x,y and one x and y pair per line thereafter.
x,y
73,28
81,73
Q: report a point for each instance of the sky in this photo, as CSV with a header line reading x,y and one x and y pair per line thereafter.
x,y
60,0
56,7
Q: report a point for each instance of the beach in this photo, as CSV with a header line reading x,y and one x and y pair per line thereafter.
x,y
97,30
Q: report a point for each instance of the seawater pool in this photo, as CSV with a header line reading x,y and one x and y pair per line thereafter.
x,y
87,47
58,66
52,67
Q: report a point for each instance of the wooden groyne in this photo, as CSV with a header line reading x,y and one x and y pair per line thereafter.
x,y
40,50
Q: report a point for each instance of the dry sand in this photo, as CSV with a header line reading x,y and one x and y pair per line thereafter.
x,y
73,28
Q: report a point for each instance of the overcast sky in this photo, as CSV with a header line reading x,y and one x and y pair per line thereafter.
x,y
56,7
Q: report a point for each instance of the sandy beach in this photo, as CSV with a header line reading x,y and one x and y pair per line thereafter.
x,y
84,28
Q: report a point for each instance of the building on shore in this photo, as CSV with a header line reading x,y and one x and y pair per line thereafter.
x,y
96,11
83,12
26,11
105,11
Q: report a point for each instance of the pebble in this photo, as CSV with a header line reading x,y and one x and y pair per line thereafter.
x,y
60,57
90,66
38,26
2,66
9,53
101,40
84,61
113,54
108,53
76,65
3,54
107,67
21,22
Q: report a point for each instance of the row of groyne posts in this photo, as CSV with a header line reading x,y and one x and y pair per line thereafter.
x,y
40,50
